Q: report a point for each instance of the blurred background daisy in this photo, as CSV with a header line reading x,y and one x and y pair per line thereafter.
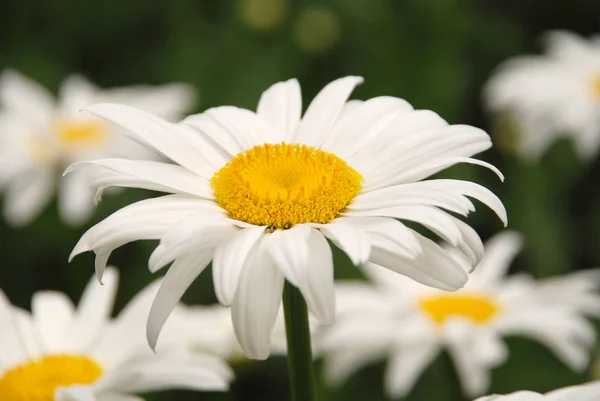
x,y
438,55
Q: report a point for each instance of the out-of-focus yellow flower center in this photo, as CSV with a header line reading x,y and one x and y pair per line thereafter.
x,y
596,86
37,380
476,307
80,134
279,185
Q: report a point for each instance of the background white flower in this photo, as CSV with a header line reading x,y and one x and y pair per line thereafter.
x,y
59,352
553,95
258,194
584,392
40,136
410,324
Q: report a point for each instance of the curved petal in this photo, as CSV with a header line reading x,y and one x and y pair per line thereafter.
x,y
146,219
256,304
290,251
52,313
445,193
435,267
351,241
229,259
324,111
143,174
281,107
177,144
93,311
26,97
177,280
585,392
198,231
406,365
316,282
12,349
361,123
500,251
75,199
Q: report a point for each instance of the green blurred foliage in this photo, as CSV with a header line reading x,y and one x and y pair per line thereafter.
x,y
437,54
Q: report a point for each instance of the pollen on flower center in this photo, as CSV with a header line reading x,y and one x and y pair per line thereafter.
x,y
279,185
86,133
37,380
476,307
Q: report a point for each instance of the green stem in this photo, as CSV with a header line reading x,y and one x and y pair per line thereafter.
x,y
300,363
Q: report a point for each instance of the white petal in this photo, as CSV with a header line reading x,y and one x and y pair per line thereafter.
x,y
434,267
281,106
142,174
289,250
316,282
146,219
24,199
75,198
388,234
229,259
75,93
359,124
256,303
177,144
406,365
74,393
177,280
176,371
93,312
52,314
499,253
351,241
585,392
26,97
445,193
117,397
197,231
12,350
342,364
324,111
517,396
168,101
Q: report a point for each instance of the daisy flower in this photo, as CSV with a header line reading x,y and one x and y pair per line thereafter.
x,y
259,194
409,324
40,136
62,353
585,392
557,94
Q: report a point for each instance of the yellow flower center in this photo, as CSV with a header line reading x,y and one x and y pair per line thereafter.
x,y
476,307
279,185
38,380
89,133
596,86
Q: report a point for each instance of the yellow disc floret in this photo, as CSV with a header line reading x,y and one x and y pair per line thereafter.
x,y
279,185
37,380
596,86
476,307
80,134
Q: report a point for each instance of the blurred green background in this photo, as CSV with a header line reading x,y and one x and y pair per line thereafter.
x,y
437,54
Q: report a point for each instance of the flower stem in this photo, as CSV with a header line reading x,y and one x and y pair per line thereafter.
x,y
300,363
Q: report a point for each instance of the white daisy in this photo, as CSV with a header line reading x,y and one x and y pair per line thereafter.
x,y
584,392
217,332
409,324
40,136
554,95
258,194
65,354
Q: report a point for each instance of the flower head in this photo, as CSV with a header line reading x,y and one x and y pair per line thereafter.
x,y
258,194
584,392
40,136
552,95
409,324
59,352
